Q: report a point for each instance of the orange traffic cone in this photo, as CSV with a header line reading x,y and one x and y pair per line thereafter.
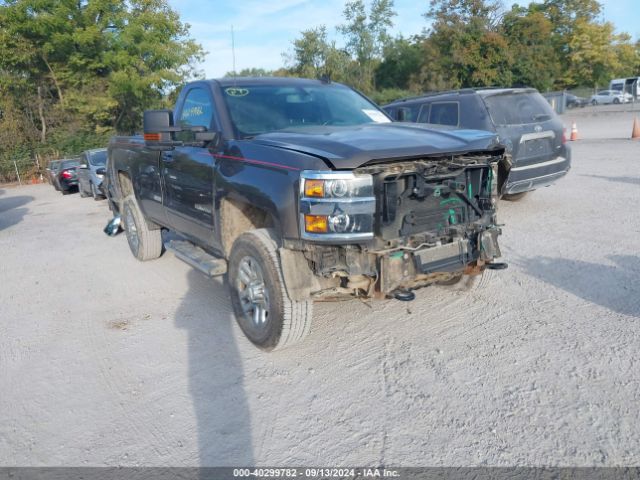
x,y
574,132
635,133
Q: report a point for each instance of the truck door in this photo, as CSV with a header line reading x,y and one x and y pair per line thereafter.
x,y
188,172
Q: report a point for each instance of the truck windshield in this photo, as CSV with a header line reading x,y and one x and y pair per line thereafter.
x,y
268,108
518,108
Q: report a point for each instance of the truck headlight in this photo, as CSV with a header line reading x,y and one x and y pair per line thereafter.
x,y
336,206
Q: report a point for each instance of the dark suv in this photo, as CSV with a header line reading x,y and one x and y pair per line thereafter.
x,y
525,123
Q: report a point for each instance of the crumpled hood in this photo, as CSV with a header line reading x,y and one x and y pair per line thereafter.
x,y
352,147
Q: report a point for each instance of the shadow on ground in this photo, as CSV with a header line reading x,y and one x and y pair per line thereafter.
x,y
11,212
629,180
610,286
215,376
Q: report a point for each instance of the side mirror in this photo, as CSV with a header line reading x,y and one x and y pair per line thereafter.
x,y
101,171
158,129
208,137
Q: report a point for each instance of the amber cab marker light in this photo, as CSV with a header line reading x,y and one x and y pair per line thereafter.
x,y
153,137
313,188
316,223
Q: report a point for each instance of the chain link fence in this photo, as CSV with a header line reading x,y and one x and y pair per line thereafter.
x,y
579,97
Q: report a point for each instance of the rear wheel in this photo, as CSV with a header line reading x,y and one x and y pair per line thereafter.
x,y
145,243
514,197
616,101
263,309
594,102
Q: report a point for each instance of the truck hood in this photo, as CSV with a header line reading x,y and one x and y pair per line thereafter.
x,y
352,147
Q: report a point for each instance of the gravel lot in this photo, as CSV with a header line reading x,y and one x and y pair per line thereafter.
x,y
108,361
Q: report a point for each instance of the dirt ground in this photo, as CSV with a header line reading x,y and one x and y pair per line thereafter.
x,y
108,361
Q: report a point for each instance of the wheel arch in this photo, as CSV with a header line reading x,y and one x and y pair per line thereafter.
x,y
238,216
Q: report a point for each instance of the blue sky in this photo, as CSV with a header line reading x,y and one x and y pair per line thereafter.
x,y
264,29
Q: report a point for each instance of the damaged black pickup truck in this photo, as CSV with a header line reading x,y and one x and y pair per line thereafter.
x,y
303,190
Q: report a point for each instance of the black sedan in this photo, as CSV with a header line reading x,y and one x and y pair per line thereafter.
x,y
67,179
574,101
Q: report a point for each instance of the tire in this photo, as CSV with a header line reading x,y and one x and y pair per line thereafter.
x,y
145,244
264,312
94,192
83,194
514,197
616,101
467,283
594,102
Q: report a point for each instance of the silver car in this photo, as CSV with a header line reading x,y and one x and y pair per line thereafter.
x,y
609,96
91,172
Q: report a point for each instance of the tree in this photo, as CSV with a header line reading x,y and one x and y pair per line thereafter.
x,y
595,54
463,47
484,14
250,72
366,36
402,60
93,64
535,60
314,56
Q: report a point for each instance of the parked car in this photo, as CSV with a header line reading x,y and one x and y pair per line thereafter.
x,y
525,122
573,101
66,177
52,170
304,190
605,97
91,173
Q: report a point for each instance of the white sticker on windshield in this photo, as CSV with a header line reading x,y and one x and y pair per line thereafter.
x,y
376,116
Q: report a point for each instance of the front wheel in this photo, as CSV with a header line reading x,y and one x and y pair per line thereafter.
x,y
594,102
263,309
616,101
145,243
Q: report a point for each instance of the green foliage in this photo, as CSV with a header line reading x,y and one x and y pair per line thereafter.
x,y
551,44
596,54
535,60
463,48
365,35
250,72
388,95
402,61
74,72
